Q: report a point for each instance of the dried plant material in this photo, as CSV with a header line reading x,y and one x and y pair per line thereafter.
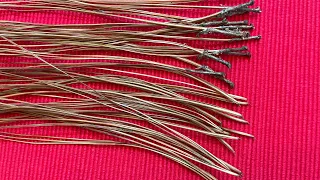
x,y
131,108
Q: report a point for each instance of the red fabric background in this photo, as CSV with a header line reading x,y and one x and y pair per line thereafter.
x,y
281,82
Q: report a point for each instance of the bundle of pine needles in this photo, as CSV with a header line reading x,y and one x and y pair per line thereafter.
x,y
71,66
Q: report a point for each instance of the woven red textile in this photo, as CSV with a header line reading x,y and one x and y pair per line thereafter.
x,y
281,82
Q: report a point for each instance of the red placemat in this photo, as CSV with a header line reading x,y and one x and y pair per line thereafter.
x,y
281,82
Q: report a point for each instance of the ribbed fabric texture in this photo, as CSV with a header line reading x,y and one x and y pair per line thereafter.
x,y
281,82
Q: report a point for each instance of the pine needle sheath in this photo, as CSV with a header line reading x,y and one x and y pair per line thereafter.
x,y
124,98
